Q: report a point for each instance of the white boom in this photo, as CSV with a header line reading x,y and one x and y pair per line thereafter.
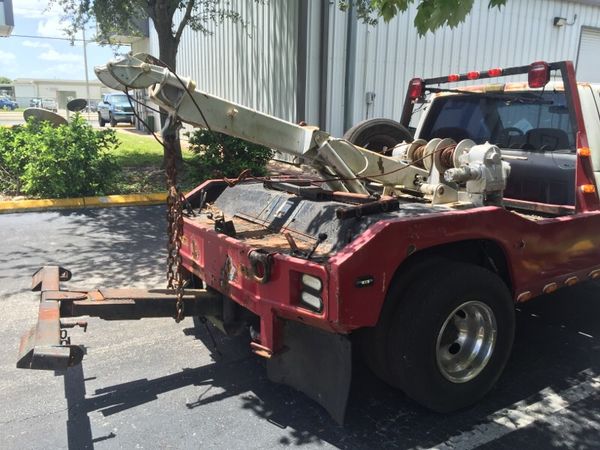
x,y
334,157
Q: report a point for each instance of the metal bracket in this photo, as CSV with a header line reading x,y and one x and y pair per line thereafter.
x,y
47,345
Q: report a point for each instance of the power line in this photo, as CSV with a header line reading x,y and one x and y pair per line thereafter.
x,y
48,37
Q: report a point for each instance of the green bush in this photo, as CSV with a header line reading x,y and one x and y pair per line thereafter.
x,y
218,155
71,160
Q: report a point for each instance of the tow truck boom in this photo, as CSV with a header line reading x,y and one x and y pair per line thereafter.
x,y
333,157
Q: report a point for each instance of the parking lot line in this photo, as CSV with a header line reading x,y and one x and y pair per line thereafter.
x,y
522,414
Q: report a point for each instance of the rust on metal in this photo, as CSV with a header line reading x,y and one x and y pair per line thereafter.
x,y
419,156
261,350
47,346
257,235
446,157
364,209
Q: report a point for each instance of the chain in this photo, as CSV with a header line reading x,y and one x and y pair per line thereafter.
x,y
175,202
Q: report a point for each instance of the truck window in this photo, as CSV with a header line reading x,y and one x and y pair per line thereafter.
x,y
518,120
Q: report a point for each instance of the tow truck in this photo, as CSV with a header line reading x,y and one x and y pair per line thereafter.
x,y
413,253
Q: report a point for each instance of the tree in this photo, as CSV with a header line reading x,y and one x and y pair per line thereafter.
x,y
119,17
4,80
431,14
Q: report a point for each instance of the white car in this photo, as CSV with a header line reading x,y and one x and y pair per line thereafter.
x,y
50,104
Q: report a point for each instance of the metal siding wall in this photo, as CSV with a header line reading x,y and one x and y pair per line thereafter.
x,y
389,55
314,43
253,65
336,68
588,64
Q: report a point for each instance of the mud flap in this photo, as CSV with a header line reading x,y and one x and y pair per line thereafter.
x,y
317,363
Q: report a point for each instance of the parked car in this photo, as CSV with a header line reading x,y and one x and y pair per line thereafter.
x,y
49,104
114,108
92,106
35,102
7,103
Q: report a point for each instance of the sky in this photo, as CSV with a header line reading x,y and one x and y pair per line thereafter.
x,y
41,57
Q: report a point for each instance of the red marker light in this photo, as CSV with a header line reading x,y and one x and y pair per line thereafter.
x,y
495,72
453,77
415,88
472,75
539,74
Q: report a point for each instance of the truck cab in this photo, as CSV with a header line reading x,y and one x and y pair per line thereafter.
x,y
532,127
114,108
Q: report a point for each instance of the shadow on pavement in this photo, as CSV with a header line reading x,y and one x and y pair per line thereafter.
x,y
127,244
557,339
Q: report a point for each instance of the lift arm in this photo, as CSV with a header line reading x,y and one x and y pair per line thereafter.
x,y
48,347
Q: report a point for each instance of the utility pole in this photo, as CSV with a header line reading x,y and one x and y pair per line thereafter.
x,y
85,63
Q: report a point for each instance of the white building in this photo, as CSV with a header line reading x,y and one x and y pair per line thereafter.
x,y
62,91
307,60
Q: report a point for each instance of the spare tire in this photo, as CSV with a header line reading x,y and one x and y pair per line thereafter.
x,y
378,134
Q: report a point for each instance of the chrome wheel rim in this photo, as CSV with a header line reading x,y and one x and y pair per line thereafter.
x,y
466,341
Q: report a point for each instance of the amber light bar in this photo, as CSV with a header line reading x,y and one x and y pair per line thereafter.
x,y
538,71
538,75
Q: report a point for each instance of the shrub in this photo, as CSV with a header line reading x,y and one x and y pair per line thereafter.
x,y
67,161
219,155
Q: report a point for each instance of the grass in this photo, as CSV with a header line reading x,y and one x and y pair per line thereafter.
x,y
141,150
138,150
140,158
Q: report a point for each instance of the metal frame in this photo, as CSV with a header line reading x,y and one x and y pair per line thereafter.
x,y
47,346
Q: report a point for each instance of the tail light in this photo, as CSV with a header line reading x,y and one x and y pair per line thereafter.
x,y
494,72
472,75
310,295
539,74
415,88
454,77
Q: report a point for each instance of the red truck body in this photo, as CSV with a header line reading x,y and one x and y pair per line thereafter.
x,y
427,289
540,256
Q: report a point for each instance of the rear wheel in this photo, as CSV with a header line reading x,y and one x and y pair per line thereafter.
x,y
378,134
449,340
113,122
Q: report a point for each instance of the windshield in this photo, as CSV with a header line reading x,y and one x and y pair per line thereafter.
x,y
519,120
119,99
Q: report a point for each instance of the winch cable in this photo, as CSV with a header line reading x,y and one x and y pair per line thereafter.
x,y
137,116
367,177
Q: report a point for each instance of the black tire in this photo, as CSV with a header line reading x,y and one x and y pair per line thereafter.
x,y
373,341
414,338
113,122
378,134
101,121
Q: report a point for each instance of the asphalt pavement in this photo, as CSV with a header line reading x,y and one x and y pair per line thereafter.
x,y
156,384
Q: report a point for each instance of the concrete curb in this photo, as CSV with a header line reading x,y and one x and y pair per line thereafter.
x,y
14,206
